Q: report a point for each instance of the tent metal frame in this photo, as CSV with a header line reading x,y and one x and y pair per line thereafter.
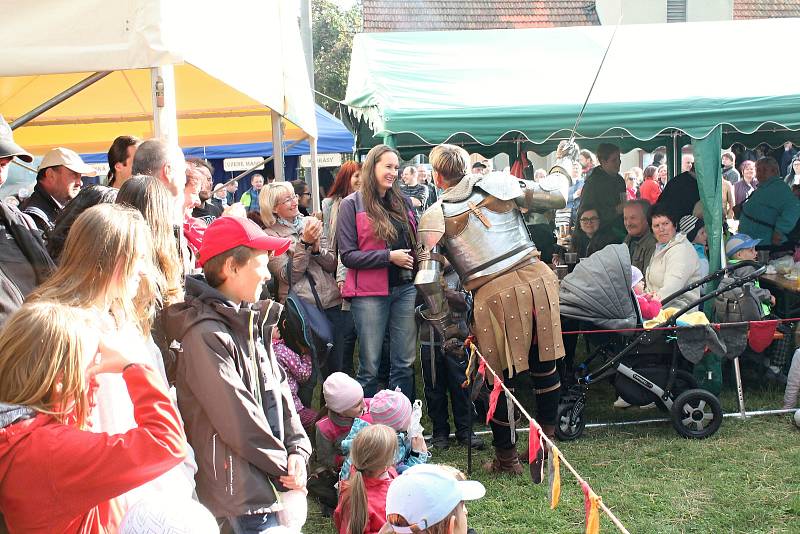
x,y
59,98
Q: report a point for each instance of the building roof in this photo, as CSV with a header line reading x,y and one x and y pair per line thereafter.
x,y
433,15
765,9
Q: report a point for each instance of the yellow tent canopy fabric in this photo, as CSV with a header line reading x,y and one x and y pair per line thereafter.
x,y
209,111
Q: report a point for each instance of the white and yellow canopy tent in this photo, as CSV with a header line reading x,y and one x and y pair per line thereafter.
x,y
201,72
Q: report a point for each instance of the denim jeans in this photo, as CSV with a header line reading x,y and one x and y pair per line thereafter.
x,y
344,341
373,316
253,524
449,373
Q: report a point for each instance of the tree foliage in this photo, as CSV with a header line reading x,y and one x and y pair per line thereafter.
x,y
333,42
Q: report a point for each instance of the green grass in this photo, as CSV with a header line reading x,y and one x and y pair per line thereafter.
x,y
744,479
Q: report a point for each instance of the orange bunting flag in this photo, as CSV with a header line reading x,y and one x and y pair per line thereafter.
x,y
497,388
554,475
535,454
591,504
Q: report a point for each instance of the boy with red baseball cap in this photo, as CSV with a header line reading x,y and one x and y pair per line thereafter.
x,y
240,418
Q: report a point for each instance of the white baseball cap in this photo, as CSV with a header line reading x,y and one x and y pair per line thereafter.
x,y
426,494
67,158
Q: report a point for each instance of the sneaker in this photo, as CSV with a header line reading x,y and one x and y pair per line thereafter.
x,y
440,442
621,403
477,442
648,406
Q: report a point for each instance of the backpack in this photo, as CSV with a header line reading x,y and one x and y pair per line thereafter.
x,y
737,304
304,327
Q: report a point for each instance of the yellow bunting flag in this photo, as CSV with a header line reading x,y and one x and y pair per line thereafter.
x,y
554,475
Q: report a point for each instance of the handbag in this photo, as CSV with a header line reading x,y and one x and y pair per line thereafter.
x,y
737,305
306,328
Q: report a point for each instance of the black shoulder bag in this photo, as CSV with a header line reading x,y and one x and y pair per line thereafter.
x,y
306,328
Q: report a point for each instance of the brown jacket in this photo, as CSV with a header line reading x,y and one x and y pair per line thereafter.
x,y
234,398
641,249
322,267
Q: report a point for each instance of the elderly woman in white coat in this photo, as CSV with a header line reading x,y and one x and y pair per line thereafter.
x,y
674,264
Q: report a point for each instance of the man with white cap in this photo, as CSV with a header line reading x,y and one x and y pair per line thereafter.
x,y
24,263
426,496
57,182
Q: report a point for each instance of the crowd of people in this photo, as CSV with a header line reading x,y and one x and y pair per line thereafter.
x,y
150,372
147,372
661,220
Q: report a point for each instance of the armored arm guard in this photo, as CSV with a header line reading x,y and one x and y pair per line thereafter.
x,y
429,274
552,192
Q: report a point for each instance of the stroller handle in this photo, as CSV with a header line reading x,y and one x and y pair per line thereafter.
x,y
737,282
717,275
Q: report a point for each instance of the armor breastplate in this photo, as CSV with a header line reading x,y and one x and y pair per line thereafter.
x,y
476,248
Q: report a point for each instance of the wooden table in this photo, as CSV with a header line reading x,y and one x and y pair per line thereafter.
x,y
786,293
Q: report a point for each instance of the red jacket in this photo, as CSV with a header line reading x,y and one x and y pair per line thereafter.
x,y
649,191
376,504
56,478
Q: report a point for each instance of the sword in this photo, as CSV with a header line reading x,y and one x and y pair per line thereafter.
x,y
596,75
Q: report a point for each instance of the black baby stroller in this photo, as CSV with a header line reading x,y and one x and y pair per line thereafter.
x,y
644,366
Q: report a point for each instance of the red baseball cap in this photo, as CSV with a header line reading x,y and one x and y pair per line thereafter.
x,y
230,232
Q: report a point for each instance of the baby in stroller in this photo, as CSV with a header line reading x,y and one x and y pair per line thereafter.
x,y
649,305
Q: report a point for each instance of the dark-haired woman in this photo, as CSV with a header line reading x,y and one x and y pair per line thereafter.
x,y
376,236
589,236
674,264
120,159
347,180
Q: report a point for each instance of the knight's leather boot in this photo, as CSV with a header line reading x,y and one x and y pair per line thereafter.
x,y
505,461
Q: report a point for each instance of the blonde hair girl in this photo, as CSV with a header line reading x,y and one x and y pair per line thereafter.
x,y
45,349
362,499
107,267
155,203
48,353
107,264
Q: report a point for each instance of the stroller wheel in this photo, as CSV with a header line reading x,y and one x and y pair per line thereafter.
x,y
569,419
696,414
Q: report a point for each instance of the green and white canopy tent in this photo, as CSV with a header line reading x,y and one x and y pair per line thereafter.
x,y
708,83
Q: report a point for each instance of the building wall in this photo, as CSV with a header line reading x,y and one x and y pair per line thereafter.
x,y
699,10
655,11
635,11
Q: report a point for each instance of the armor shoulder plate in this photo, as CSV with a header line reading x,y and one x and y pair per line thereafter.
x,y
432,219
451,209
430,228
501,185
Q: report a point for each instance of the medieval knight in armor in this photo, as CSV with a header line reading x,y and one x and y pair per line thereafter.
x,y
477,226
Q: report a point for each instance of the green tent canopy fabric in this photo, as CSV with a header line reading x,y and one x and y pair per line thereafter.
x,y
495,91
502,86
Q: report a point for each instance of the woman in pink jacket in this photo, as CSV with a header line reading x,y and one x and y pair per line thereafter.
x,y
376,236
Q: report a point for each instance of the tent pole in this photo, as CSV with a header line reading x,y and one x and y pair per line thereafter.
x,y
315,202
739,390
165,109
390,141
277,145
306,34
676,155
60,97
